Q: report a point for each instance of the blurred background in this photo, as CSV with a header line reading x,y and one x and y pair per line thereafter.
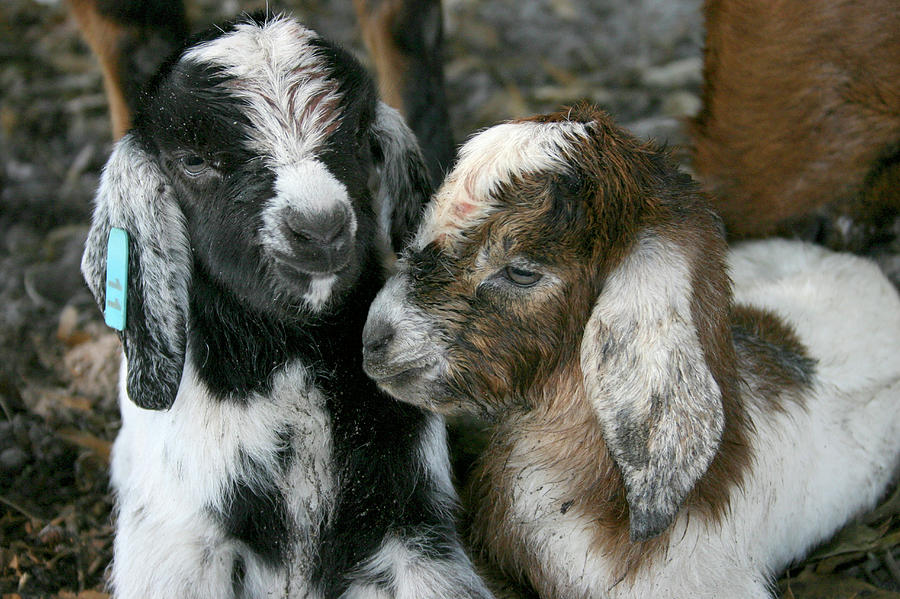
x,y
639,59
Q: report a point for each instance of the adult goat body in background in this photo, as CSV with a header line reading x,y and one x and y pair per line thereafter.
x,y
799,132
255,458
659,432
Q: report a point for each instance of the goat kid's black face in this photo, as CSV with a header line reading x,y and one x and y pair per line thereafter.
x,y
249,167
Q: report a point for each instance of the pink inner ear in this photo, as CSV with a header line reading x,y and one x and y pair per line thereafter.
x,y
463,209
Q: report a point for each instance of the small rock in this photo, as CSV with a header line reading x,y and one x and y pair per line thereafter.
x,y
52,535
12,459
6,439
679,73
681,104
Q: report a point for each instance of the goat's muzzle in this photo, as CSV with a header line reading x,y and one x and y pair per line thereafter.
x,y
320,243
390,361
399,349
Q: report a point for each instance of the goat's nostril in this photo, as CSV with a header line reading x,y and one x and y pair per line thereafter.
x,y
316,242
322,229
377,339
335,231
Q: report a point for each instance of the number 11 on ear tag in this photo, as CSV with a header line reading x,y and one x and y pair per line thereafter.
x,y
116,278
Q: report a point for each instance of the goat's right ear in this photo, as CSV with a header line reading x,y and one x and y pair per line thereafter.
x,y
404,185
134,195
655,351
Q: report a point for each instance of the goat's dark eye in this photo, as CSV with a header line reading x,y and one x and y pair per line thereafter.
x,y
193,165
570,183
521,276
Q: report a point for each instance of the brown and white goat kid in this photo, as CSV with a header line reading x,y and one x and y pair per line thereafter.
x,y
655,437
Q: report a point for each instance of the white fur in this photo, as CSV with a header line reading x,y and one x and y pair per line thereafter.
x,y
254,56
169,469
486,162
319,291
165,266
307,187
813,468
435,455
398,139
412,575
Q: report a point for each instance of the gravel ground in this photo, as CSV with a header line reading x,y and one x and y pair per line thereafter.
x,y
641,59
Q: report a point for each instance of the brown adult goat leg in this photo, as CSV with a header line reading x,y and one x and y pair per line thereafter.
x,y
405,40
131,40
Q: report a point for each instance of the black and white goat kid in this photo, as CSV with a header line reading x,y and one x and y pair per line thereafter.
x,y
255,458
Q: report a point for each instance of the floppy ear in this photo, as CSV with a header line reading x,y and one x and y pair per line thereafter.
x,y
655,352
135,196
404,184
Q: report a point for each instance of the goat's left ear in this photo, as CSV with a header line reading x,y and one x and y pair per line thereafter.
x,y
404,185
136,196
656,350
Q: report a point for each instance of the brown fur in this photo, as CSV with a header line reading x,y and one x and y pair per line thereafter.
x,y
775,366
800,124
567,426
523,365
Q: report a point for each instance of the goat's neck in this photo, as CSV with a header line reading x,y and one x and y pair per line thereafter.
x,y
236,349
552,462
541,466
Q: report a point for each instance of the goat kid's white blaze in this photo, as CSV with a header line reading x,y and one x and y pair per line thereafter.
x,y
292,106
307,187
279,75
488,161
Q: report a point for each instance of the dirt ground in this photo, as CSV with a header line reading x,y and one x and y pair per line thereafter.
x,y
505,58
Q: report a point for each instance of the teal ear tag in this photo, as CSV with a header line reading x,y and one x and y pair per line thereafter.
x,y
116,278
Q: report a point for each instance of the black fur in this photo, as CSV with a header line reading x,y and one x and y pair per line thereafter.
x,y
257,515
419,35
246,322
375,437
153,376
143,12
376,440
